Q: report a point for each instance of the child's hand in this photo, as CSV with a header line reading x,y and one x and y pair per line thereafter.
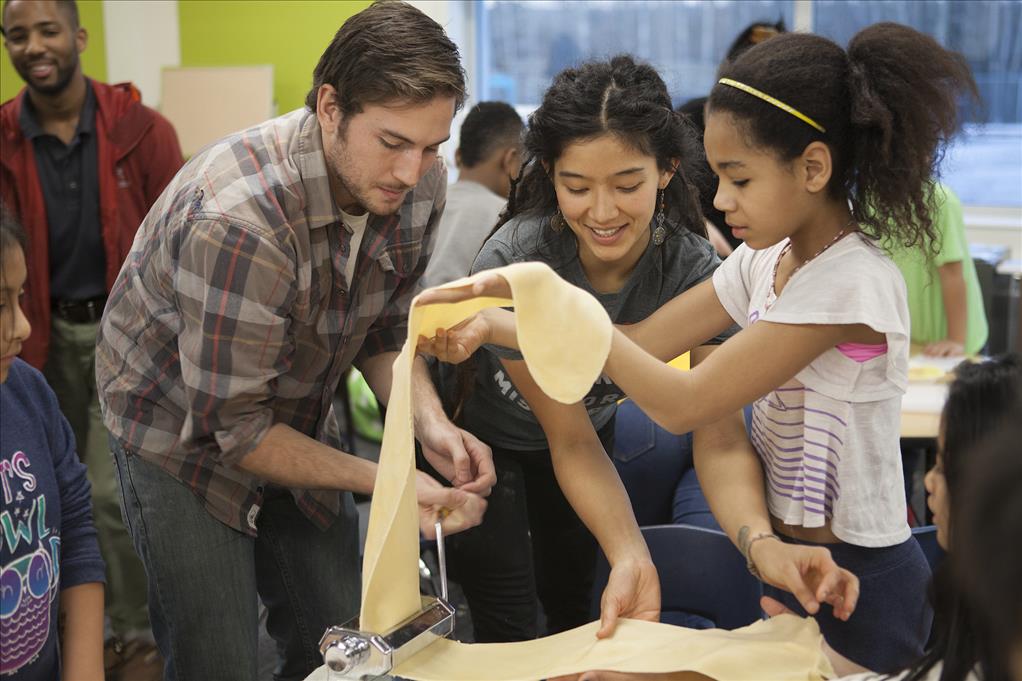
x,y
808,573
841,664
773,607
944,348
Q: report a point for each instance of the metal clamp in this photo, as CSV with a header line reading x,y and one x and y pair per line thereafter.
x,y
350,653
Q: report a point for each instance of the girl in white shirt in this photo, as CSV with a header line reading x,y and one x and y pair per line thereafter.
x,y
805,136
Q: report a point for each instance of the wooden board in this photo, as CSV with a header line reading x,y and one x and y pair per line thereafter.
x,y
207,103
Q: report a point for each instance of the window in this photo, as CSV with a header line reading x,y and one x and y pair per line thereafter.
x,y
521,45
984,163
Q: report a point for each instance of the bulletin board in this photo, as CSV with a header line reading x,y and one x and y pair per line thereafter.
x,y
207,103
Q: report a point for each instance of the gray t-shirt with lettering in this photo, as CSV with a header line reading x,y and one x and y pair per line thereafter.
x,y
495,411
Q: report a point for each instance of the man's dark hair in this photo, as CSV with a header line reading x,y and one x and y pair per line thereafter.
x,y
68,7
388,52
487,127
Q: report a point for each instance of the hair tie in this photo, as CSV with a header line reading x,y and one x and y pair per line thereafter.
x,y
772,100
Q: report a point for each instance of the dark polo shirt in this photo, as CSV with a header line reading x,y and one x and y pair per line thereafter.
x,y
70,182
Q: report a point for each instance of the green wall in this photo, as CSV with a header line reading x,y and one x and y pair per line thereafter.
x,y
90,12
290,35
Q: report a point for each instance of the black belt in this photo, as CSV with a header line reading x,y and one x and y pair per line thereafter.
x,y
80,311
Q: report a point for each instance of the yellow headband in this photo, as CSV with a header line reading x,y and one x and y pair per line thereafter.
x,y
772,100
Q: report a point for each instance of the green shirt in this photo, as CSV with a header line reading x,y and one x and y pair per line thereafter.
x,y
925,298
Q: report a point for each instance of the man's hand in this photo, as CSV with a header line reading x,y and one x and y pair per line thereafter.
x,y
458,455
633,591
808,573
456,509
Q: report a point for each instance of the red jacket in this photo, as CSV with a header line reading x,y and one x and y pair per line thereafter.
x,y
137,155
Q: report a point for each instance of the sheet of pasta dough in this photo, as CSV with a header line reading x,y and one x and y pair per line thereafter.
x,y
565,336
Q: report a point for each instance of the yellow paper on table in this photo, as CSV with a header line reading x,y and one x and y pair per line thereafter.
x,y
565,337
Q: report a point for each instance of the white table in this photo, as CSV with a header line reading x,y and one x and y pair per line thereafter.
x,y
924,399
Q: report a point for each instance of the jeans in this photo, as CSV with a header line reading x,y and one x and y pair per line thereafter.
x,y
531,545
657,469
71,372
205,578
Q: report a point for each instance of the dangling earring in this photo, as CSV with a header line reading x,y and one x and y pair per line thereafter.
x,y
660,233
557,222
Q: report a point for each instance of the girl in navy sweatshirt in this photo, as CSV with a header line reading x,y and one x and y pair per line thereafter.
x,y
51,573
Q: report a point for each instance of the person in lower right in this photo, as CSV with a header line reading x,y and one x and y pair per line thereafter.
x,y
975,494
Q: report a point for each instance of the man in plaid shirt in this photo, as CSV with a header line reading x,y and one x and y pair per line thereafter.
x,y
276,259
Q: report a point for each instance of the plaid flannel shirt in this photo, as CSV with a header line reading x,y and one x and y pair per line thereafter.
x,y
232,311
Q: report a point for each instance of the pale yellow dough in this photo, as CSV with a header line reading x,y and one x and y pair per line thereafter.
x,y
565,337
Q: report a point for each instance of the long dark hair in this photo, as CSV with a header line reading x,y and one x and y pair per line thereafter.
x,y
889,105
979,400
988,556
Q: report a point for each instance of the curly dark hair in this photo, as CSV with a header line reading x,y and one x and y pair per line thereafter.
x,y
889,105
620,97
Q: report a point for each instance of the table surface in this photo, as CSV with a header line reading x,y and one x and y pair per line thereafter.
x,y
927,391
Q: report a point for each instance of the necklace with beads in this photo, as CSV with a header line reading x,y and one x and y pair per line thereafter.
x,y
771,294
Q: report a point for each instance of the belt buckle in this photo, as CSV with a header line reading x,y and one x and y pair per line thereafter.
x,y
81,311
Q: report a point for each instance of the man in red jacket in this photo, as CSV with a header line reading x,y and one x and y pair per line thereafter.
x,y
81,163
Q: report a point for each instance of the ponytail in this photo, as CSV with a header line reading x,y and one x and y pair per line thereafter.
x,y
904,90
888,107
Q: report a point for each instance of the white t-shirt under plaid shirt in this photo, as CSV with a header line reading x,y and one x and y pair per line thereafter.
x,y
233,312
829,438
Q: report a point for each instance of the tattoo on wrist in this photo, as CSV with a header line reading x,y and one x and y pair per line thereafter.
x,y
743,540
